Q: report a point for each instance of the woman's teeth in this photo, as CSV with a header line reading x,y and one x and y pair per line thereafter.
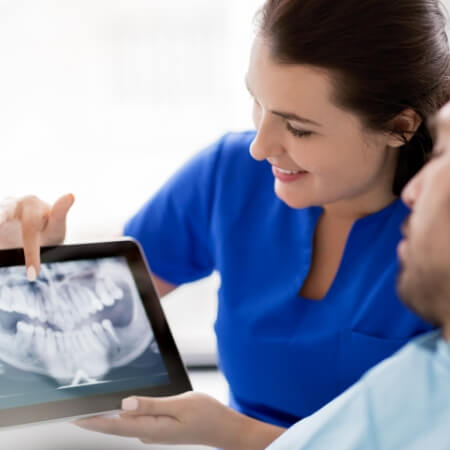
x,y
289,172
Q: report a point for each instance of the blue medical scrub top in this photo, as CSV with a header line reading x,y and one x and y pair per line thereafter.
x,y
284,356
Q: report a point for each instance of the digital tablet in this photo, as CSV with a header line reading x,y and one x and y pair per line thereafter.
x,y
87,333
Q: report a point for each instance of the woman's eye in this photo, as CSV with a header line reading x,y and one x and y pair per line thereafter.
x,y
296,132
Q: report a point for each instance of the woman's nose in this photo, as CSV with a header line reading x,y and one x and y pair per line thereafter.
x,y
266,143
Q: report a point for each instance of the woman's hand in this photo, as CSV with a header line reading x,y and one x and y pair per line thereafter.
x,y
29,222
190,418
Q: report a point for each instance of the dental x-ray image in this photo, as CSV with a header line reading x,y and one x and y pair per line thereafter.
x,y
79,329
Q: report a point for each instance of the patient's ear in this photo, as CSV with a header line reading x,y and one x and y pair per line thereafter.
x,y
404,125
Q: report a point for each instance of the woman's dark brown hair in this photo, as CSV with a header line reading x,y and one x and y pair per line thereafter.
x,y
384,56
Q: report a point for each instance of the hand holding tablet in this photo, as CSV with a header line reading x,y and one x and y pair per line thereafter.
x,y
189,418
86,333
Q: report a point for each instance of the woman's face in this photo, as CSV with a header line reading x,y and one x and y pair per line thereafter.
x,y
320,154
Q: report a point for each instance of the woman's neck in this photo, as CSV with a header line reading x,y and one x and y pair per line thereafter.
x,y
350,210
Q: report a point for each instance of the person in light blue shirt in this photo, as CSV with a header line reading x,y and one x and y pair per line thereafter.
x,y
402,403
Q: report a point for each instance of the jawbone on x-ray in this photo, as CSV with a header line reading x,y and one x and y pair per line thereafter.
x,y
76,322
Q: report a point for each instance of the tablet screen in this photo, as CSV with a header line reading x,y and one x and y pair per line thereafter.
x,y
79,330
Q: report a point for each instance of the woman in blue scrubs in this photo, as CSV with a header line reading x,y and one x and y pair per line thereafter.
x,y
301,217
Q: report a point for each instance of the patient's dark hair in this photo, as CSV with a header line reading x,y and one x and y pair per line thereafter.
x,y
384,56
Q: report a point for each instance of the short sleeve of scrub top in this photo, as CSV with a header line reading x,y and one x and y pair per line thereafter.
x,y
283,356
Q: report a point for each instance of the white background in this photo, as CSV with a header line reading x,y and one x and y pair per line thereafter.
x,y
106,98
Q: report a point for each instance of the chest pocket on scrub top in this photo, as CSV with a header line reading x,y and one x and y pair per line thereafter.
x,y
359,352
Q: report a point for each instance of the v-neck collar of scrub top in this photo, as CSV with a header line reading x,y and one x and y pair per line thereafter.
x,y
358,230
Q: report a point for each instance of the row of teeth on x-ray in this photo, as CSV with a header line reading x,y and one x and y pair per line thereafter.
x,y
64,305
90,338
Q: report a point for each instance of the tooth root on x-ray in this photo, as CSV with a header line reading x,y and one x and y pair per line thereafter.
x,y
64,305
83,346
100,333
90,339
72,343
76,342
87,301
39,306
63,300
107,325
40,340
91,298
60,342
20,302
95,301
53,310
31,304
70,303
51,343
82,302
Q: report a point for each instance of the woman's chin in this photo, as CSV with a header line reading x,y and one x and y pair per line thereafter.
x,y
293,199
295,203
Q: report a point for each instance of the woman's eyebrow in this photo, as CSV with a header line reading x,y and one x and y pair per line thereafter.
x,y
293,116
286,115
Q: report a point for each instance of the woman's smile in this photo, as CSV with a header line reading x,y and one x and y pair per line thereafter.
x,y
287,176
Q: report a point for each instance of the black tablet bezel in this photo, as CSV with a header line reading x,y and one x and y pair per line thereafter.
x,y
81,406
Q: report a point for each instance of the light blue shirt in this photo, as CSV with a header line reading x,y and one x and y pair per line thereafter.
x,y
402,403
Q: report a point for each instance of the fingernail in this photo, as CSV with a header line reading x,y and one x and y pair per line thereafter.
x,y
31,273
129,404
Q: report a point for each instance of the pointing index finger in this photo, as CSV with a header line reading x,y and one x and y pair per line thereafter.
x,y
33,215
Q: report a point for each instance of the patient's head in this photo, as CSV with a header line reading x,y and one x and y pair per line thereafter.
x,y
424,281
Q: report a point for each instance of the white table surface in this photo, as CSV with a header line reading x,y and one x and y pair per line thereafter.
x,y
65,436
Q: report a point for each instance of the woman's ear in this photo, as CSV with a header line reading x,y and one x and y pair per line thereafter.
x,y
404,125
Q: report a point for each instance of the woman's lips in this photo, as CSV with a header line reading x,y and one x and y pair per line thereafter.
x,y
288,176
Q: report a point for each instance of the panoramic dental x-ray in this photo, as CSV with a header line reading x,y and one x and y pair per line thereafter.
x,y
81,323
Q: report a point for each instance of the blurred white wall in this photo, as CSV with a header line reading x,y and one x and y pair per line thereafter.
x,y
106,98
